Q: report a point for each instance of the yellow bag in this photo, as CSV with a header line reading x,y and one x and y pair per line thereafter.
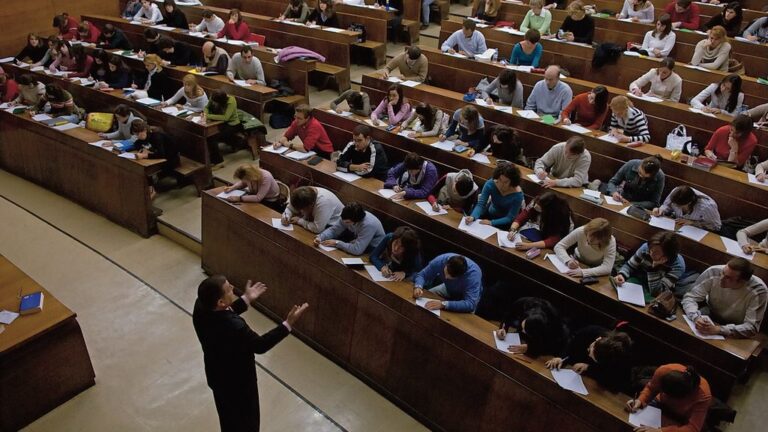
x,y
99,122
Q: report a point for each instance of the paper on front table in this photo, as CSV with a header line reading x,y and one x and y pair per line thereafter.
x,y
37,68
457,55
610,201
7,317
41,117
242,83
101,143
738,38
632,53
234,193
698,111
649,416
624,19
333,29
24,65
172,110
520,68
534,178
753,180
427,208
481,102
559,265
7,59
569,380
479,157
529,114
444,145
134,22
405,133
347,176
477,229
127,155
369,122
196,34
148,101
645,97
66,126
690,66
592,193
299,155
277,223
692,232
394,79
375,274
509,30
662,222
631,293
511,339
503,108
272,149
5,105
504,241
733,248
326,248
422,301
577,128
352,261
410,83
343,113
386,193
698,334
162,27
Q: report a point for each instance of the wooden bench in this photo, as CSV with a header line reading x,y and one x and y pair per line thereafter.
x,y
194,171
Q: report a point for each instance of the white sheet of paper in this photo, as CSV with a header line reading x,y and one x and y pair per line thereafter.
x,y
481,102
479,157
343,113
196,34
692,232
333,29
375,274
577,128
394,79
347,176
529,114
625,211
41,117
5,105
648,416
569,380
127,155
697,333
662,222
609,199
631,293
559,265
37,68
526,69
272,149
753,180
738,38
277,223
423,303
242,83
443,145
386,193
632,53
326,248
7,59
593,193
100,144
457,55
148,101
503,108
352,261
7,317
534,178
172,110
234,193
298,155
609,138
698,111
511,339
426,207
690,66
162,27
477,229
369,122
504,241
65,127
405,133
411,83
733,248
645,97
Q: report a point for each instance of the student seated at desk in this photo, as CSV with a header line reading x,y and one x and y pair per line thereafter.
x,y
312,208
486,10
297,10
119,75
469,125
215,59
173,52
100,69
744,235
713,52
363,156
173,16
733,143
413,178
542,223
730,19
235,28
259,186
309,130
57,102
500,200
88,32
638,182
537,18
505,89
542,330
587,109
681,393
454,190
657,265
152,143
426,121
411,65
664,83
394,107
394,18
727,300
358,103
149,13
72,60
595,247
641,11
398,255
566,164
113,38
66,25
602,354
578,26
245,66
628,124
210,24
124,116
528,51
758,31
467,41
688,206
759,115
33,51
659,42
131,9
550,95
357,232
195,98
30,90
555,4
324,15
9,88
151,39
223,107
504,144
155,83
684,14
453,277
725,97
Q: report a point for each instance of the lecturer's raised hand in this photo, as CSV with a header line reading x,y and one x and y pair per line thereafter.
x,y
295,313
254,290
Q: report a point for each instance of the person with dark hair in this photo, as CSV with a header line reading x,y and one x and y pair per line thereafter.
x,y
542,331
730,295
578,26
222,107
398,255
131,8
457,279
215,59
358,231
555,4
688,206
595,247
537,18
730,19
394,107
657,265
745,235
628,124
118,74
88,32
467,41
229,345
684,14
426,121
312,208
550,95
505,144
177,53
505,89
681,394
57,102
500,200
638,182
733,143
154,144
30,90
66,25
528,51
149,14
566,164
757,31
247,67
713,52
457,190
9,90
660,41
151,39
113,38
358,102
587,109
542,223
469,125
173,16
324,15
602,354
297,10
33,51
235,28
641,11
310,132
411,63
664,83
725,97
486,10
72,61
124,115
210,24
411,179
363,156
259,186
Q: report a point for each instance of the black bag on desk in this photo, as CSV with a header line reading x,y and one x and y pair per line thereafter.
x,y
638,212
606,53
358,28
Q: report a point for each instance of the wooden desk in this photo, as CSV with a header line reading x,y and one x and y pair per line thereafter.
x,y
43,358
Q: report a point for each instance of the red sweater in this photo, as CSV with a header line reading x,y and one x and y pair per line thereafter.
x,y
694,407
718,145
235,32
312,134
70,30
93,34
585,112
689,19
9,91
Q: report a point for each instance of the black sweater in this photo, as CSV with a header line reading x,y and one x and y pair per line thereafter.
x,y
160,146
583,30
33,53
117,41
614,377
175,19
554,338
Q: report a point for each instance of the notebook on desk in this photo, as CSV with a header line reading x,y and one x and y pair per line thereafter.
x,y
31,303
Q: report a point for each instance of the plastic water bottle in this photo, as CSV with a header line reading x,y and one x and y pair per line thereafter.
x,y
495,55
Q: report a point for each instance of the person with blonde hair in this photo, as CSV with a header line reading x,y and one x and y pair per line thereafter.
x,y
578,26
713,52
155,84
595,247
195,96
259,186
628,124
538,18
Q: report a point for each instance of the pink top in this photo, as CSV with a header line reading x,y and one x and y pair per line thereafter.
x,y
394,117
239,32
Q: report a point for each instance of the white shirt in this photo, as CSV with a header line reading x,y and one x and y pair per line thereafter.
x,y
214,26
153,14
664,45
670,88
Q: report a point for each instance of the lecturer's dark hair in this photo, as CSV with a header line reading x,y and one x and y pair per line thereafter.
x,y
210,291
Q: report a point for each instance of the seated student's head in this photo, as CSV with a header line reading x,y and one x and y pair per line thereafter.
x,y
610,349
555,214
295,4
325,6
684,197
508,79
51,41
361,136
100,56
732,12
248,173
209,50
63,47
717,35
468,27
123,113
352,213
665,67
355,100
455,267
115,63
33,40
216,293
536,325
663,247
27,80
153,62
469,118
663,26
395,96
680,384
139,129
246,53
574,147
620,106
533,36
576,10
169,6
53,91
598,232
649,167
552,76
413,163
464,184
207,15
536,6
413,55
218,102
151,35
598,97
741,126
405,242
506,176
108,30
235,15
146,4
426,113
191,87
682,5
736,273
60,21
302,114
84,29
303,199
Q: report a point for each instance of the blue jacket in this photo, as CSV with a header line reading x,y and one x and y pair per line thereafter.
x,y
464,291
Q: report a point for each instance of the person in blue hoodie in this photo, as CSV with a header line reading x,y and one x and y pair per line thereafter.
x,y
457,279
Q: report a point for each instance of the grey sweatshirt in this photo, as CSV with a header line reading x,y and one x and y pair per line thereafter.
x,y
366,234
326,212
572,172
123,131
238,69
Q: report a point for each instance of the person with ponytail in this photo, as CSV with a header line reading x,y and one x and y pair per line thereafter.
x,y
541,327
681,393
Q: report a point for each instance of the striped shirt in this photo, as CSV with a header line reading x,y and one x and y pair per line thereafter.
x,y
703,214
635,126
660,278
